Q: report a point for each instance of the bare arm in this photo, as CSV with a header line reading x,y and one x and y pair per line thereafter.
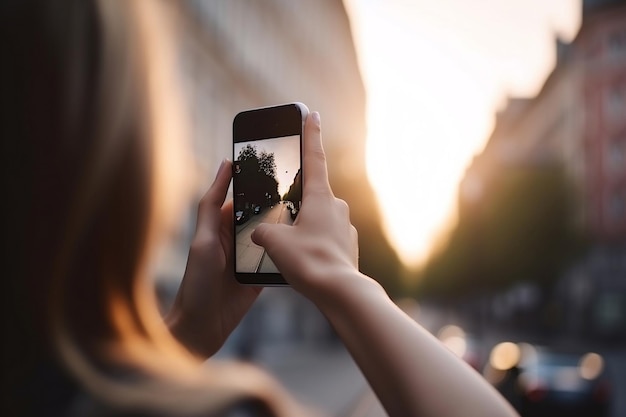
x,y
410,371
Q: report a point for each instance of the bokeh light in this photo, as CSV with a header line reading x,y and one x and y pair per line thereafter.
x,y
591,366
504,356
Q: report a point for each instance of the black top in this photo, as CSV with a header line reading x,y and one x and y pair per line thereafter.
x,y
50,391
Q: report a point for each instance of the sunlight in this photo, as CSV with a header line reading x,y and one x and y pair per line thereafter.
x,y
435,73
420,140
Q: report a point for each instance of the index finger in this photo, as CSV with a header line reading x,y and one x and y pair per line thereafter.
x,y
314,159
216,194
214,198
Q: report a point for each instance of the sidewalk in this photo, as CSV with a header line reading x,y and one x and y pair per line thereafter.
x,y
325,379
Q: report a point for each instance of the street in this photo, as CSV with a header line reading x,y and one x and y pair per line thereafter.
x,y
326,378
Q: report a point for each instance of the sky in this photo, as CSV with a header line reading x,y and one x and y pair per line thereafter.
x,y
286,155
435,73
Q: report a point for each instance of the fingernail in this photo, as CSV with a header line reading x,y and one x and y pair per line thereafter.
x,y
316,118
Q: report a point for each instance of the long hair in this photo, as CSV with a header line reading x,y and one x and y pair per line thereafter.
x,y
95,145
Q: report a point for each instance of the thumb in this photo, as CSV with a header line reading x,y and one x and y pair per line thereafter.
x,y
269,236
259,235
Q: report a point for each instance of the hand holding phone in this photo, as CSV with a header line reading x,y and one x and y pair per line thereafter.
x,y
318,254
210,303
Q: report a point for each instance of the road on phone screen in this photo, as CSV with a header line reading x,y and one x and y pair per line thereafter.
x,y
252,257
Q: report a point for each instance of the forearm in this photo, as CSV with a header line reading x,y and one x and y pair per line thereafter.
x,y
410,371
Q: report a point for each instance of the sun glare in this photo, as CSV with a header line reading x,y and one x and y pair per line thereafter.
x,y
420,138
434,79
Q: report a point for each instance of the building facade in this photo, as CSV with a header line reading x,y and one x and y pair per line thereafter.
x,y
577,121
600,51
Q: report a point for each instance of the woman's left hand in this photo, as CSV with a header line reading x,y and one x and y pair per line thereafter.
x,y
210,303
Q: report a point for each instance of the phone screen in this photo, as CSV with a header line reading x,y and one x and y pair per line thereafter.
x,y
267,183
267,188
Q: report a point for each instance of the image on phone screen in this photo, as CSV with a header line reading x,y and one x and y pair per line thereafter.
x,y
267,188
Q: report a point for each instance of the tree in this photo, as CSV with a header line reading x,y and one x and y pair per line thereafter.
x,y
247,152
294,194
255,183
267,164
523,230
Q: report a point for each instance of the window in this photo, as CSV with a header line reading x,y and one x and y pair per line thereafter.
x,y
616,156
615,99
617,44
617,206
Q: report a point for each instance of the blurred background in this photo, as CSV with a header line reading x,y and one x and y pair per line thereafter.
x,y
481,147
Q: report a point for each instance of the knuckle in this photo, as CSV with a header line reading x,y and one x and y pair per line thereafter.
x,y
205,200
318,153
342,206
203,242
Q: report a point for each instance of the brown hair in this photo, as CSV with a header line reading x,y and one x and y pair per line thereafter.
x,y
94,120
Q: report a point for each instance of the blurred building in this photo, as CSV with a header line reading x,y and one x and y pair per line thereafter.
x,y
578,121
237,55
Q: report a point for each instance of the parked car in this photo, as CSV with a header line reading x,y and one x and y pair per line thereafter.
x,y
549,382
294,213
241,216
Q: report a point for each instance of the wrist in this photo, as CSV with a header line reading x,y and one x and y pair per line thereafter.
x,y
347,292
185,331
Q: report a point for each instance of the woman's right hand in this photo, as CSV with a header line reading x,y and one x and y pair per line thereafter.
x,y
411,372
322,245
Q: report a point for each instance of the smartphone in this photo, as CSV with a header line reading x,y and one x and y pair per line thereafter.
x,y
267,183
